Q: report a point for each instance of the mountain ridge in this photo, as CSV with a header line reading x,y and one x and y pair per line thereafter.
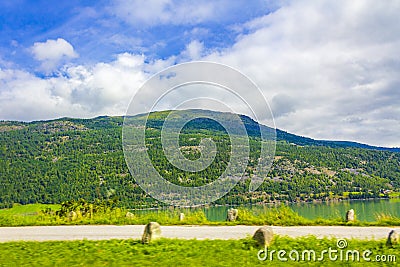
x,y
281,135
67,159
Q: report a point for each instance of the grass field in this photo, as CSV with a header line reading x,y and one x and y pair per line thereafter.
x,y
24,215
173,252
29,209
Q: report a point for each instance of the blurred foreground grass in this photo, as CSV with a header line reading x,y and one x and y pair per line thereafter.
x,y
174,252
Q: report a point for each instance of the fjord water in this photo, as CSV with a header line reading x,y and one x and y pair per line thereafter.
x,y
366,210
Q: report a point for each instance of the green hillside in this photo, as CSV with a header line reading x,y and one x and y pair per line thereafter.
x,y
65,159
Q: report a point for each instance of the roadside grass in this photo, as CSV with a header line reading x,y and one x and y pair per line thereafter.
x,y
30,214
28,209
33,214
176,252
394,196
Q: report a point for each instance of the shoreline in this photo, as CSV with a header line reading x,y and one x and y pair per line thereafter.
x,y
266,204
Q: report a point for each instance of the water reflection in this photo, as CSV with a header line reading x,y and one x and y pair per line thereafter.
x,y
366,210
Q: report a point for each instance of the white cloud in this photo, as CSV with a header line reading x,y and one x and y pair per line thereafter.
x,y
107,87
282,105
193,51
104,88
155,12
330,69
338,60
53,52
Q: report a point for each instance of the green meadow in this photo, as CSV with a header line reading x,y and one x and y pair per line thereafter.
x,y
174,252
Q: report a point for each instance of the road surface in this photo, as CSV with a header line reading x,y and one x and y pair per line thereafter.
x,y
101,232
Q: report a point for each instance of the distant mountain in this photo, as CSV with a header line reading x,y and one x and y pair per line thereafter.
x,y
253,128
306,141
63,159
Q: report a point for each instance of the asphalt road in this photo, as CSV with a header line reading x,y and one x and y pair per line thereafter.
x,y
99,232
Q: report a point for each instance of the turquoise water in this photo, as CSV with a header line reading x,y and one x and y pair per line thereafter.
x,y
366,210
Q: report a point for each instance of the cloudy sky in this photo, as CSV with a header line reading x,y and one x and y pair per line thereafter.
x,y
329,69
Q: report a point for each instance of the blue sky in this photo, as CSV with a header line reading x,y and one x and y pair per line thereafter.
x,y
99,30
329,69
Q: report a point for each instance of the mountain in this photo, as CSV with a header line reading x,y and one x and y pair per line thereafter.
x,y
57,160
306,141
253,129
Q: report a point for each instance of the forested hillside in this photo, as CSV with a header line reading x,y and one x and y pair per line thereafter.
x,y
65,159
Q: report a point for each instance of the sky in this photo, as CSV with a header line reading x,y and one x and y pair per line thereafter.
x,y
329,69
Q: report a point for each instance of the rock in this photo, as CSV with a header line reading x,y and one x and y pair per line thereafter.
x,y
181,216
232,215
350,216
72,216
129,215
393,238
151,231
264,236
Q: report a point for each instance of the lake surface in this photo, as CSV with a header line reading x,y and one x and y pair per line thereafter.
x,y
366,210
